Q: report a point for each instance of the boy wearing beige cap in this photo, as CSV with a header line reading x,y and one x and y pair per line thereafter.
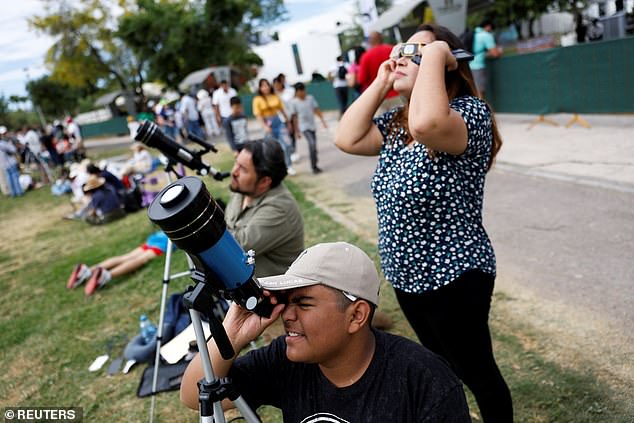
x,y
331,365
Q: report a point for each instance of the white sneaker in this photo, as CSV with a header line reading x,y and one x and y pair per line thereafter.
x,y
295,157
291,171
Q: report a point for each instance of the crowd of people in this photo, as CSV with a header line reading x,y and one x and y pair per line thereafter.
x,y
434,150
435,138
40,150
284,113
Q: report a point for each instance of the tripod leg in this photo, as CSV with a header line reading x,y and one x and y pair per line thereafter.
x,y
159,337
216,412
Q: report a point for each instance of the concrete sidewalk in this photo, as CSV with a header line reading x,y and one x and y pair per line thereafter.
x,y
600,155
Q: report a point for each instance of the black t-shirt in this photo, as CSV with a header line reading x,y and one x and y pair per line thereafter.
x,y
404,383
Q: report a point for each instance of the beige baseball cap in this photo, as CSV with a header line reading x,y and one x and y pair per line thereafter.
x,y
338,265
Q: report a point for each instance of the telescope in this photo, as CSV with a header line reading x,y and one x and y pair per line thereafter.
x,y
151,135
191,218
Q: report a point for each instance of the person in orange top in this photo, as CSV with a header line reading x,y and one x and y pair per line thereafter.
x,y
266,107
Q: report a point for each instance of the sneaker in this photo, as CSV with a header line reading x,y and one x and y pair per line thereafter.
x,y
295,157
80,274
98,279
317,171
291,171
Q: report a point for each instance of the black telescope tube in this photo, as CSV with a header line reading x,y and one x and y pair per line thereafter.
x,y
151,135
190,217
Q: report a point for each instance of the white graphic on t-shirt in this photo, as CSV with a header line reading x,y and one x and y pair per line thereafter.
x,y
324,418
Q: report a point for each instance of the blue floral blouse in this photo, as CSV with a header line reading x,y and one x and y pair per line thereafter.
x,y
430,209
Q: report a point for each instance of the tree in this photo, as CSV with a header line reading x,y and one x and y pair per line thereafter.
x,y
15,119
178,37
87,54
4,108
54,98
513,12
107,44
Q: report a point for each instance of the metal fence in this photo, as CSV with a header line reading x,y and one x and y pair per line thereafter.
x,y
595,77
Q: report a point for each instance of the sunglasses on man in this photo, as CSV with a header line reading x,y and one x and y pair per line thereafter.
x,y
413,52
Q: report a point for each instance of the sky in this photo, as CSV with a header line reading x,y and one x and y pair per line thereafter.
x,y
22,50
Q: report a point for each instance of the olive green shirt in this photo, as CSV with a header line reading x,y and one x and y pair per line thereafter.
x,y
271,225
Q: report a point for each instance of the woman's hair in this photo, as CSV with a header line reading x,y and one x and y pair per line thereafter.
x,y
458,83
358,52
260,82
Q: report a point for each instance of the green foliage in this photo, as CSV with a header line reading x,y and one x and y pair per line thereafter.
x,y
159,32
86,53
4,108
87,103
512,12
15,119
179,37
382,5
98,48
55,98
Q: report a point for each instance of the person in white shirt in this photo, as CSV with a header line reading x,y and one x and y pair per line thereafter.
x,y
190,114
338,77
141,161
208,114
221,101
74,133
29,137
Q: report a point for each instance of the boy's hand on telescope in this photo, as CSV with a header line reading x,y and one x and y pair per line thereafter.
x,y
243,326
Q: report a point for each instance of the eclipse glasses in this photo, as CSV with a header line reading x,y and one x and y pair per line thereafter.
x,y
413,52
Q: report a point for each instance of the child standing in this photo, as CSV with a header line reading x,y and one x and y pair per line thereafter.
x,y
304,107
237,131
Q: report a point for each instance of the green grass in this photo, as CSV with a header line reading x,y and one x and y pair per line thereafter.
x,y
50,335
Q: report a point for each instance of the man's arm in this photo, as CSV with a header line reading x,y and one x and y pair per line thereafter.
x,y
321,117
241,327
492,50
217,114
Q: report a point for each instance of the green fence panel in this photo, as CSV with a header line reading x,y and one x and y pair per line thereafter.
x,y
586,78
115,126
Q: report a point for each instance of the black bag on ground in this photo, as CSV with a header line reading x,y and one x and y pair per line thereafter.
x,y
168,379
132,199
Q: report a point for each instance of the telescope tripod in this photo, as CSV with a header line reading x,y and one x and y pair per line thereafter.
x,y
214,390
211,391
31,159
167,277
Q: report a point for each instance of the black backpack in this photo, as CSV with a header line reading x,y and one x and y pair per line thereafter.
x,y
467,39
341,72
